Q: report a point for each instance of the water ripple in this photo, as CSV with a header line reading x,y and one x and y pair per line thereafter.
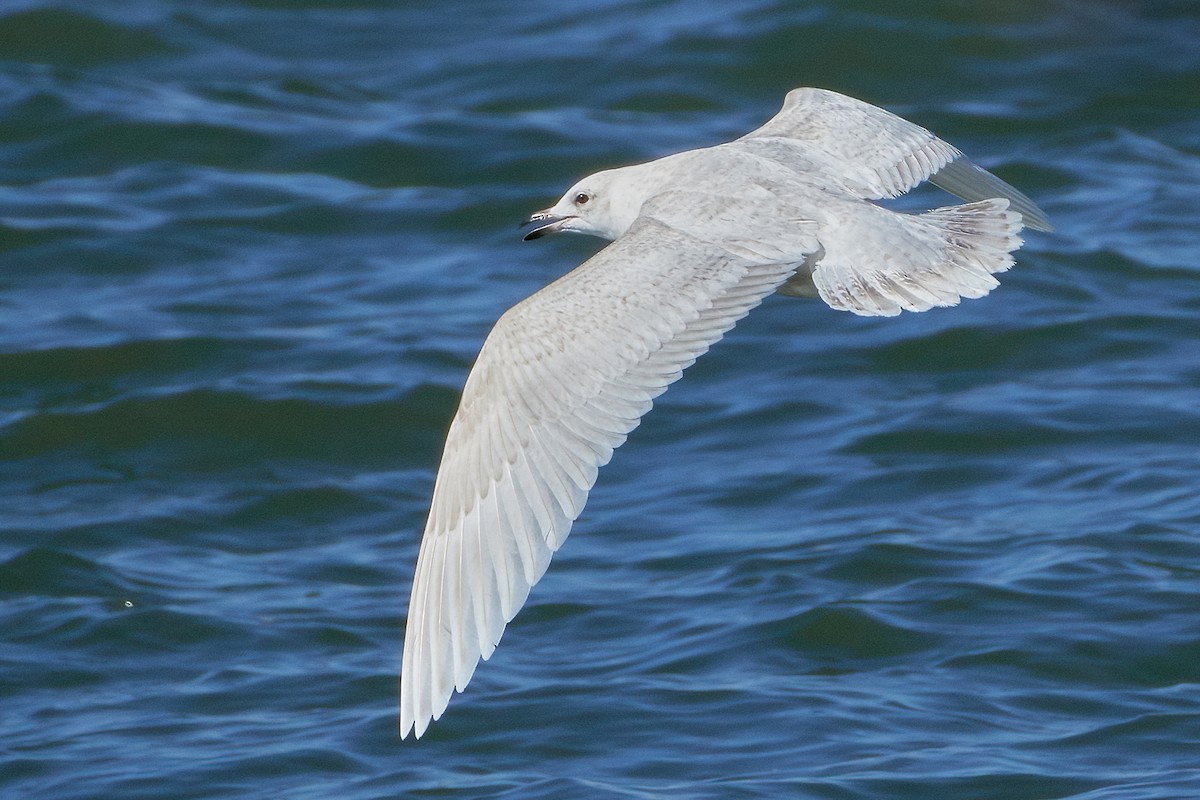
x,y
251,248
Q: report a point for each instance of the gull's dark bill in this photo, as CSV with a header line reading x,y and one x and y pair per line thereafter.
x,y
550,224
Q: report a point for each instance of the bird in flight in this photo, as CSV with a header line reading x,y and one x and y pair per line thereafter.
x,y
699,239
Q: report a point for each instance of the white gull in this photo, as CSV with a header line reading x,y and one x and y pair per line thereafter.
x,y
699,239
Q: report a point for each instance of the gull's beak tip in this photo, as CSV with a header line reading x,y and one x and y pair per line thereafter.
x,y
550,224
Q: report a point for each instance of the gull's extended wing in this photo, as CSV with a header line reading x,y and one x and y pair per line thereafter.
x,y
876,154
561,380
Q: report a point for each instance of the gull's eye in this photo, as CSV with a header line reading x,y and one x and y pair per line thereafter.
x,y
582,198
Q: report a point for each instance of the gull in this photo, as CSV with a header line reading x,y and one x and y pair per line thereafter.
x,y
699,239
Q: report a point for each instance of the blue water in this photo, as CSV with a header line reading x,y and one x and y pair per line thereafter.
x,y
249,249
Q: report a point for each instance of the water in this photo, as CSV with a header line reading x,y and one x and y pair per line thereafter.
x,y
248,250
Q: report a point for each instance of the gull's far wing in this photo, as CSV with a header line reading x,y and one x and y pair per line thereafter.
x,y
876,154
561,380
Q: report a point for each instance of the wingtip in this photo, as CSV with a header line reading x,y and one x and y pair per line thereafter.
x,y
1037,222
965,179
411,720
409,726
404,722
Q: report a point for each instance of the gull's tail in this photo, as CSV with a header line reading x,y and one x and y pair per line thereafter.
x,y
879,263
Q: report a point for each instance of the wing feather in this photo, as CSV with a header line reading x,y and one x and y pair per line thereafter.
x,y
560,382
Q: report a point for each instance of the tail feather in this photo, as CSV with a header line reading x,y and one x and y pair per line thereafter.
x,y
930,259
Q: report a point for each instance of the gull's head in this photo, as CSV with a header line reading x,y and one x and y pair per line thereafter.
x,y
604,205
